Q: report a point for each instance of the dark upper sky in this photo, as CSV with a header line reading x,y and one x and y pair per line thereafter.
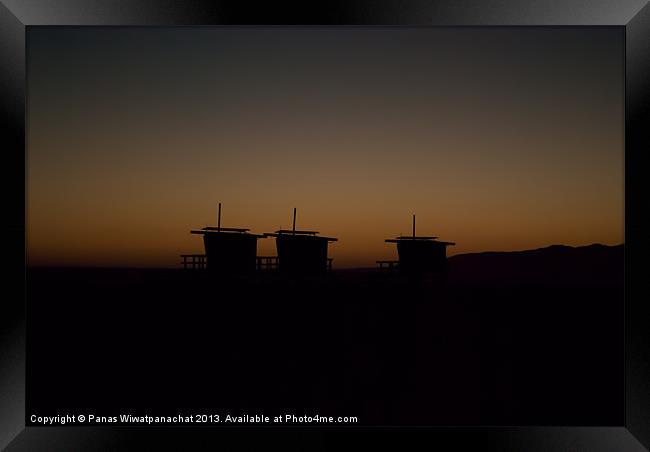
x,y
497,138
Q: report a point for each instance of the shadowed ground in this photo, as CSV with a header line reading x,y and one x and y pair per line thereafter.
x,y
512,338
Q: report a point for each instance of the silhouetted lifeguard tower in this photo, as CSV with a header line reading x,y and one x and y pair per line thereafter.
x,y
419,255
229,250
301,251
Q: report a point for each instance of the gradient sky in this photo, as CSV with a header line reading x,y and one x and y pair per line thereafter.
x,y
496,138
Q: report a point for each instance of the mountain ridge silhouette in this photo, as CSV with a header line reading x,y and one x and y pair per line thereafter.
x,y
595,263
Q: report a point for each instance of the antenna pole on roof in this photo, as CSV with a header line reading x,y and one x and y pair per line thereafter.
x,y
294,221
219,219
413,226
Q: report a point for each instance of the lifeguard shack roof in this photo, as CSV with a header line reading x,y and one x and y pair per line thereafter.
x,y
220,230
418,238
304,234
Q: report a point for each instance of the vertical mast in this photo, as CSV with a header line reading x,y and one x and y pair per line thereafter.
x,y
294,221
219,219
413,226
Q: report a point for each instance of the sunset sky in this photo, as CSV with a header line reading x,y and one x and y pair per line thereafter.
x,y
496,138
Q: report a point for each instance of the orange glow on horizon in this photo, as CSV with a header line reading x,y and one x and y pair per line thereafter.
x,y
135,136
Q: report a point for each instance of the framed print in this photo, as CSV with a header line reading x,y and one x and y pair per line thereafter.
x,y
415,221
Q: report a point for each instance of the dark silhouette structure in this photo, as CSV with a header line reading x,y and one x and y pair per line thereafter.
x,y
301,252
193,261
229,250
420,255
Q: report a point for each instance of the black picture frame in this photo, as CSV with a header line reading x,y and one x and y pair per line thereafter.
x,y
16,16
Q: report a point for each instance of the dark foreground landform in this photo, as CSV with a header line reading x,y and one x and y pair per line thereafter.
x,y
532,337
